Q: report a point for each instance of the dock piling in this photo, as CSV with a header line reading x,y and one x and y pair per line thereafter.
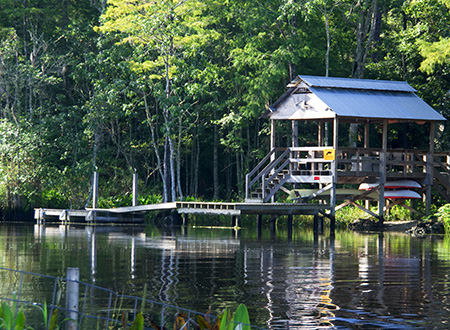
x,y
95,190
73,276
135,189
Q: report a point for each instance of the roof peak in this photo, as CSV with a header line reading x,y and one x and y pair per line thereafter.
x,y
352,83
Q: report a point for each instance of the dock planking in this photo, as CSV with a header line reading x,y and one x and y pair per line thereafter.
x,y
134,214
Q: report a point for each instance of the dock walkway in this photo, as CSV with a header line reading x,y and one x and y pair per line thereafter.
x,y
134,214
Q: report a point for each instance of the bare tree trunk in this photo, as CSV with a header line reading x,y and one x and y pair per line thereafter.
x,y
172,170
197,163
364,34
180,192
216,159
167,170
327,53
155,147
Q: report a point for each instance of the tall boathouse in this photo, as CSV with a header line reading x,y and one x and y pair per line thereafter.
x,y
342,175
323,175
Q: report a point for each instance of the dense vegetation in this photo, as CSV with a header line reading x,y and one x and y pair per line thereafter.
x,y
175,89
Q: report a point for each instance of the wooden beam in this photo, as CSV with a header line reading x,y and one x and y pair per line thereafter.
x,y
272,138
366,210
381,201
295,133
320,134
366,135
334,173
430,162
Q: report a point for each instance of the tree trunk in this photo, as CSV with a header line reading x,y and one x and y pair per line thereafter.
x,y
180,192
216,159
155,147
364,34
167,170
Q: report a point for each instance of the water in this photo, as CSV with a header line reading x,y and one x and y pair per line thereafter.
x,y
355,281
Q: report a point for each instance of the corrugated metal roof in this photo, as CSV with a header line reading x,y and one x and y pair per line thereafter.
x,y
359,98
376,104
348,83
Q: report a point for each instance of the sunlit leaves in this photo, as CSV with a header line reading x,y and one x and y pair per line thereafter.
x,y
436,53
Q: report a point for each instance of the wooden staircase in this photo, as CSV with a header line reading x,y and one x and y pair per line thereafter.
x,y
286,165
441,176
268,176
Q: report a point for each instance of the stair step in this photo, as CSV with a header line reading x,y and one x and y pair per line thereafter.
x,y
254,200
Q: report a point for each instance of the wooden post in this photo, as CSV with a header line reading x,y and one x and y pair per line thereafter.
x,y
381,201
235,221
259,225
430,163
273,221
366,146
135,189
72,296
316,222
320,134
366,135
272,138
289,226
95,191
295,133
334,171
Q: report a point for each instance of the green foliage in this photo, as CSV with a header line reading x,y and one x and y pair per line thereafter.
x,y
443,214
115,87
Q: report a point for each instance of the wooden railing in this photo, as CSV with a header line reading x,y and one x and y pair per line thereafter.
x,y
281,165
310,165
362,161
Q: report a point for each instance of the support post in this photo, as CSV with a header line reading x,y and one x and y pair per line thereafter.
x,y
334,171
273,222
295,133
289,225
95,191
316,222
366,135
185,218
366,146
235,221
272,138
135,189
73,278
381,201
259,225
430,161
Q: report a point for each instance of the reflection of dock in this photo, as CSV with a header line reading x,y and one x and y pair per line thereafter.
x,y
134,214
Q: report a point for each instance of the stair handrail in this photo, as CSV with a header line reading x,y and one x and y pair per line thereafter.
x,y
265,182
267,168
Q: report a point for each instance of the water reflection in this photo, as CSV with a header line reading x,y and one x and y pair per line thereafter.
x,y
301,279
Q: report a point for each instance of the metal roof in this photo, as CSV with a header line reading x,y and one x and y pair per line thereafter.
x,y
356,98
376,104
349,83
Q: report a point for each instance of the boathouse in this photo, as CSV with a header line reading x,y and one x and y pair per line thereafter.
x,y
340,175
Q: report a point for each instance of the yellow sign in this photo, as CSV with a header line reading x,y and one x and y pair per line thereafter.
x,y
328,154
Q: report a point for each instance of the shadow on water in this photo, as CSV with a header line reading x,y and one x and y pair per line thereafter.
x,y
349,281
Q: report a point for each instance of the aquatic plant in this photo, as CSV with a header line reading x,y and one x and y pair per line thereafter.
x,y
226,321
10,321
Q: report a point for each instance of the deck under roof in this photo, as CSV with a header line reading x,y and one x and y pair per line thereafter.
x,y
311,97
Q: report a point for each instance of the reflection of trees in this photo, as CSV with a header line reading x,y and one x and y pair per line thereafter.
x,y
370,277
388,280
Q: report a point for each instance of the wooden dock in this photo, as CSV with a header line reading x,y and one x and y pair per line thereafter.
x,y
135,214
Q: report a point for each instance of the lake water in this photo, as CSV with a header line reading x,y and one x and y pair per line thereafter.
x,y
354,281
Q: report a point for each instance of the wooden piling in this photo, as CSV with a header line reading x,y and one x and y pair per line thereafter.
x,y
135,189
73,277
95,191
289,225
259,225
